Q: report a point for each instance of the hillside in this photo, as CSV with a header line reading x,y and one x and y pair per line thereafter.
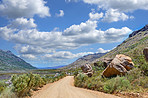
x,y
134,44
134,84
10,62
85,59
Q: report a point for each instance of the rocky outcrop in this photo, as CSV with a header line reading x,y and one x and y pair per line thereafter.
x,y
87,69
145,28
107,61
118,66
145,52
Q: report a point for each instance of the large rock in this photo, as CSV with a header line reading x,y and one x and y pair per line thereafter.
x,y
145,52
118,66
107,61
87,69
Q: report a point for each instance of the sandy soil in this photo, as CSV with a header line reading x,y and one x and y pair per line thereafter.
x,y
64,89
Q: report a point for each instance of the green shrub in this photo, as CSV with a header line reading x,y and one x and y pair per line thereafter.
x,y
133,74
139,60
95,84
109,86
100,66
3,85
144,82
7,93
80,80
22,84
117,84
39,82
76,73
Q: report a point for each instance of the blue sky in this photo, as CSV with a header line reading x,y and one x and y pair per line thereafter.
x,y
49,33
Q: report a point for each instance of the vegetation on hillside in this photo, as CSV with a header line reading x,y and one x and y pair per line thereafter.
x,y
136,80
10,62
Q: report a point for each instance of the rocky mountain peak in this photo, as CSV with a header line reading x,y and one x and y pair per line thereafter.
x,y
145,28
9,52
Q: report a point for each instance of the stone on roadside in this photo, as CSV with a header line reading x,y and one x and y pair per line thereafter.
x,y
118,66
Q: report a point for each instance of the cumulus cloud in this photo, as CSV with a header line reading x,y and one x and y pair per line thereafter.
x,y
101,50
80,29
61,14
32,50
113,15
34,43
65,55
116,10
121,5
72,37
23,8
22,23
94,15
28,56
86,33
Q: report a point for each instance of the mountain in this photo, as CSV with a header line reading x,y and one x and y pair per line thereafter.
x,y
132,46
10,62
85,59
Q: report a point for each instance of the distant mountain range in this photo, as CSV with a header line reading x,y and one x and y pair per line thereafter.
x,y
85,59
10,62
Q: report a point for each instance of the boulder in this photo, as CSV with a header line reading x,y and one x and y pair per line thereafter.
x,y
107,61
87,69
118,66
145,52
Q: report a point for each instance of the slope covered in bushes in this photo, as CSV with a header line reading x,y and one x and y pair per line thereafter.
x,y
136,80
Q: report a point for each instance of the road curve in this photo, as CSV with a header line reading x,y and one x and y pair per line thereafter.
x,y
64,89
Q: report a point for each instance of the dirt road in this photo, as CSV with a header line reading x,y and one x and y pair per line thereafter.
x,y
64,89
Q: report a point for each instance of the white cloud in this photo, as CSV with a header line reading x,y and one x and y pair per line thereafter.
x,y
28,56
101,50
23,8
113,15
121,5
34,44
95,16
33,50
61,14
73,37
80,29
65,55
22,23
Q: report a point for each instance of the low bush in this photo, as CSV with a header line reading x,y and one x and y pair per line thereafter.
x,y
95,84
80,80
3,85
139,60
134,74
117,84
7,93
22,84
